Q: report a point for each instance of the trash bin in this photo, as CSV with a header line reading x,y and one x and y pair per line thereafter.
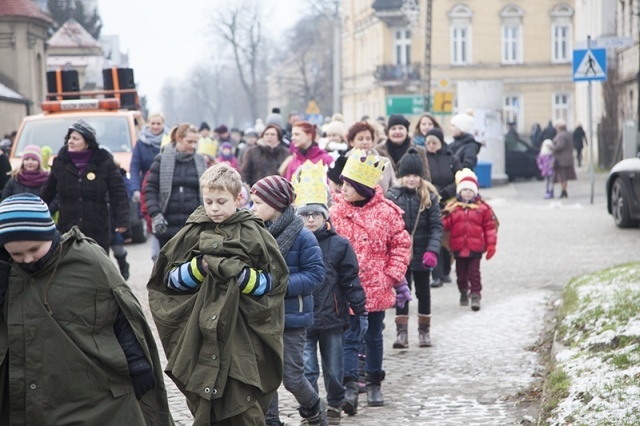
x,y
483,171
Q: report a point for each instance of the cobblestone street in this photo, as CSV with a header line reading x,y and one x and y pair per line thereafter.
x,y
479,361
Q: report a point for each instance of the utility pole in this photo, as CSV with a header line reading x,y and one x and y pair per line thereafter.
x,y
337,59
426,75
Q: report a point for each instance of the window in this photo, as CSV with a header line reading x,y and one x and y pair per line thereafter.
x,y
561,33
402,47
511,17
460,34
562,107
512,111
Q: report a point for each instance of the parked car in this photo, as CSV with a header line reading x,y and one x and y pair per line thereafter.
x,y
520,159
623,193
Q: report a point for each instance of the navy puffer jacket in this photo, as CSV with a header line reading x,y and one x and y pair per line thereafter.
x,y
306,272
341,288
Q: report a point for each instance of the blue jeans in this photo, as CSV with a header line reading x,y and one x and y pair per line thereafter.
x,y
353,342
371,328
293,377
330,342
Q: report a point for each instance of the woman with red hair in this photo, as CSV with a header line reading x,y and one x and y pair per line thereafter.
x,y
304,147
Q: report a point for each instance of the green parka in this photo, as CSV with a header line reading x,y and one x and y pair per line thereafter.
x,y
224,348
65,365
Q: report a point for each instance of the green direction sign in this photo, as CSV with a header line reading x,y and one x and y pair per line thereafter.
x,y
406,104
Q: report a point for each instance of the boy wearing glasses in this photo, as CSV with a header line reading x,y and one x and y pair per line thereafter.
x,y
340,291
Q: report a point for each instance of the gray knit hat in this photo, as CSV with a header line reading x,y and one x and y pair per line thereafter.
x,y
25,217
313,207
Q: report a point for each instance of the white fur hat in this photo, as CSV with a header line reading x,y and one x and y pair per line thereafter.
x,y
464,122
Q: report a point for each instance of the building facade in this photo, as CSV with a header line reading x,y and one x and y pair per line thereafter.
x,y
527,45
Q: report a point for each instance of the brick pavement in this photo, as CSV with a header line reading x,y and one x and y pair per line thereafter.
x,y
479,361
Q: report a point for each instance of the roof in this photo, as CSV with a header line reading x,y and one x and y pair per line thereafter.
x,y
24,8
5,92
72,34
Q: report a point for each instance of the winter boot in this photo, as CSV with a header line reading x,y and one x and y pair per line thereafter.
x,y
333,415
314,416
436,283
350,404
564,194
464,298
548,195
402,341
475,301
362,384
123,265
374,395
424,324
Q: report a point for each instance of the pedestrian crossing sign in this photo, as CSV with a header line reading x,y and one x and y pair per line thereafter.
x,y
590,65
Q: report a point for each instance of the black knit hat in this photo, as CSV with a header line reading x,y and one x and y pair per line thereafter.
x,y
276,191
204,126
437,133
25,217
87,132
411,164
397,120
335,170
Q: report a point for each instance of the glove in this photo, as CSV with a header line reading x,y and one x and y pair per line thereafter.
x,y
135,197
491,250
403,294
159,225
429,259
143,383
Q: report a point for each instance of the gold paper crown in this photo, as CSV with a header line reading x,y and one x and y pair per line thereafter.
x,y
309,182
363,168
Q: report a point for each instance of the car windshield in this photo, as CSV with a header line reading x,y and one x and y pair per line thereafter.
x,y
111,132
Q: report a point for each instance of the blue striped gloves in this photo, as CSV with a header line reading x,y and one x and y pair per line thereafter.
x,y
188,276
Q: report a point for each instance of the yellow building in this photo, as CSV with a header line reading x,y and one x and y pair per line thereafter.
x,y
526,45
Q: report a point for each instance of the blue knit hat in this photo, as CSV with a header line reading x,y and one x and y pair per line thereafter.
x,y
25,217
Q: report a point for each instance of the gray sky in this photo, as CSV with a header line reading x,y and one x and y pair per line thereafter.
x,y
166,39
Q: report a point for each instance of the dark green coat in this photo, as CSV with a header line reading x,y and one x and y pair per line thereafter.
x,y
65,364
224,349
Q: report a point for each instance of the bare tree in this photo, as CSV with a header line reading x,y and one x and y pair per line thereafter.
x,y
240,27
310,53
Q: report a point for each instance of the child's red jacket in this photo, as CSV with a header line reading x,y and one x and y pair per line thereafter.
x,y
472,227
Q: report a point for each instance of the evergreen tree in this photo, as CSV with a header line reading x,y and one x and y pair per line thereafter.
x,y
63,10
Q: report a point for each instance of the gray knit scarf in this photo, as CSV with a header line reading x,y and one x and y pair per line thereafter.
x,y
167,165
285,229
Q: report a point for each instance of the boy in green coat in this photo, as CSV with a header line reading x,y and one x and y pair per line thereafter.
x,y
216,294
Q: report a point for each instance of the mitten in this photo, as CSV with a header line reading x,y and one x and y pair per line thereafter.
x,y
143,382
159,225
429,259
403,293
491,250
254,282
136,196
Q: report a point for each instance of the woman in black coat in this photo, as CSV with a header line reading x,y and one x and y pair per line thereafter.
x,y
88,184
172,192
444,166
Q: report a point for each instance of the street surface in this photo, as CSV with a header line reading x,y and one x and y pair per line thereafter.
x,y
479,360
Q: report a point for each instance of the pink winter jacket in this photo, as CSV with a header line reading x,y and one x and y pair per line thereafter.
x,y
376,232
315,154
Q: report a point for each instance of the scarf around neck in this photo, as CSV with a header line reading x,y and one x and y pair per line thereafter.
x,y
285,229
81,159
167,165
148,138
397,151
32,179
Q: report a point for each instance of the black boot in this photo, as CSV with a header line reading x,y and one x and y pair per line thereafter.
x,y
123,265
350,404
374,394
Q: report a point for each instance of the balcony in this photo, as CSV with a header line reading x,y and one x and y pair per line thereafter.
x,y
391,12
393,75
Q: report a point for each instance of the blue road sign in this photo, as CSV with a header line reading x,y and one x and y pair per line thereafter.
x,y
590,65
